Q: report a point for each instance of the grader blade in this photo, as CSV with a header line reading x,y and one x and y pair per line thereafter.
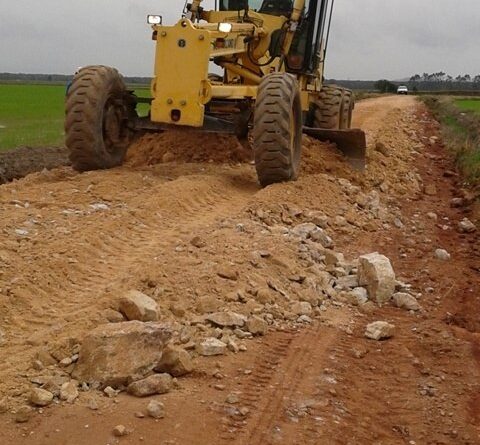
x,y
352,143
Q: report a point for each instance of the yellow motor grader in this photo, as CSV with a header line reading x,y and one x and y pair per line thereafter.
x,y
268,88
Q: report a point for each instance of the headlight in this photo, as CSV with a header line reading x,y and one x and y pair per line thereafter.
x,y
154,19
225,27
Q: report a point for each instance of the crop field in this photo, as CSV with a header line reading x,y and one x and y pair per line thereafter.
x,y
468,105
32,115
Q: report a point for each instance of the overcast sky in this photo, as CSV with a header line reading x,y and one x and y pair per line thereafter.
x,y
370,39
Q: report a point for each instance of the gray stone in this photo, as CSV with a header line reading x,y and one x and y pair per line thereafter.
x,y
69,391
226,319
23,414
211,346
333,258
256,325
304,230
154,384
115,354
175,361
319,236
442,254
406,301
379,330
40,397
156,409
375,272
360,294
138,306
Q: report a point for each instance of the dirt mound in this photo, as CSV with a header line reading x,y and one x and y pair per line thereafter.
x,y
186,146
17,163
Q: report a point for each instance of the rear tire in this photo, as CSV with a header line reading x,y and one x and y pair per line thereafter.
x,y
348,104
277,130
327,108
99,110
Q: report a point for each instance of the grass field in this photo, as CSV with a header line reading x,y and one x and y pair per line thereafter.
x,y
468,105
32,115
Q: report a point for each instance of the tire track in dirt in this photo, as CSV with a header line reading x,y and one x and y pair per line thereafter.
x,y
280,371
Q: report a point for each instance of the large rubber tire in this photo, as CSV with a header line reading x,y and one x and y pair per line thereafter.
x,y
333,109
277,129
98,111
327,108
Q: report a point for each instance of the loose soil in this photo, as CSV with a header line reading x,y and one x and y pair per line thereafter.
x,y
71,244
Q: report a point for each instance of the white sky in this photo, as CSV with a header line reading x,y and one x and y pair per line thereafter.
x,y
370,39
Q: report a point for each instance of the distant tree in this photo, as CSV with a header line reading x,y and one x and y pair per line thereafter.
x,y
476,79
385,86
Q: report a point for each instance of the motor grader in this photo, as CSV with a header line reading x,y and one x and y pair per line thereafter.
x,y
268,87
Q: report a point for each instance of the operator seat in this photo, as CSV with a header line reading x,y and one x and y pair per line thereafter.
x,y
277,7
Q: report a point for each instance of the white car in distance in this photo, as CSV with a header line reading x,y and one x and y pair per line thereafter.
x,y
402,89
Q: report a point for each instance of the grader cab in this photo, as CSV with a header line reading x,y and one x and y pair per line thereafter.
x,y
267,88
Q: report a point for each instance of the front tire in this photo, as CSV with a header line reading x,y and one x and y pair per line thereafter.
x,y
99,110
277,130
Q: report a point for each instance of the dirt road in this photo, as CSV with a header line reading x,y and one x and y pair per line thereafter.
x,y
71,244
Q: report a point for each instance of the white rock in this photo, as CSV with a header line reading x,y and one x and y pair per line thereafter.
x,y
69,391
466,226
379,330
154,384
406,301
302,308
442,254
211,346
156,409
226,319
256,325
347,282
360,294
375,272
41,397
138,306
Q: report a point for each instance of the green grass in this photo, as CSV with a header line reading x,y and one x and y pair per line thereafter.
x,y
33,114
460,123
468,105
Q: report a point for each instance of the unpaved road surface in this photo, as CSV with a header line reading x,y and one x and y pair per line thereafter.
x,y
71,244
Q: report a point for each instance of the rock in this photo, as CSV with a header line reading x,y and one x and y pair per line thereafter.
x,y
442,254
318,218
430,189
54,384
207,304
302,308
433,216
379,330
333,258
114,354
406,301
319,236
232,399
120,431
40,397
154,384
264,295
3,405
466,226
45,357
156,409
256,325
113,316
360,295
23,414
382,148
175,361
226,319
304,230
457,202
304,319
375,272
211,346
110,392
228,273
232,346
198,242
347,282
69,391
138,306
